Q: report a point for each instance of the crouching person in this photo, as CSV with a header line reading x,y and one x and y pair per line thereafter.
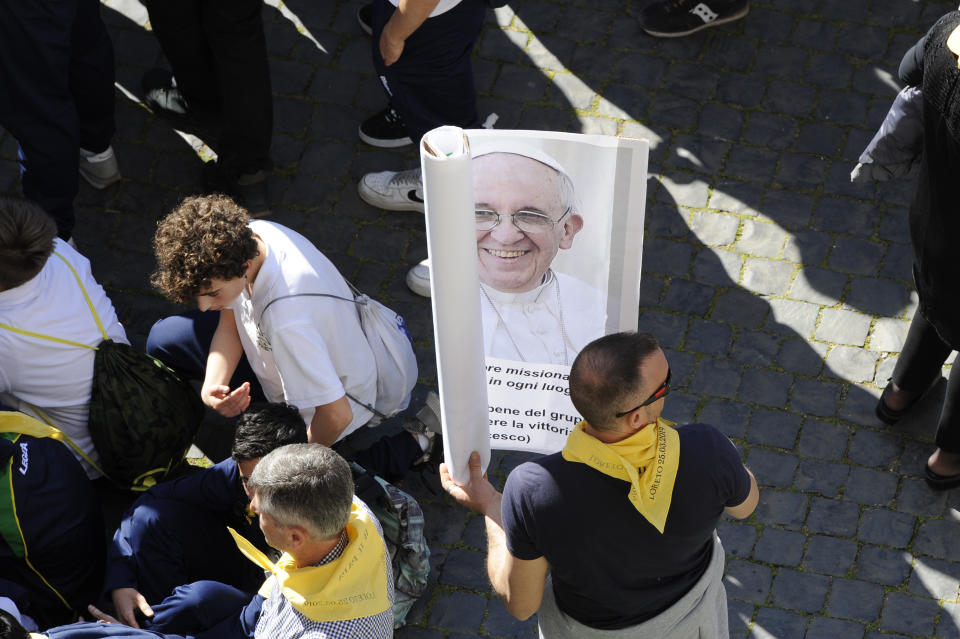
x,y
176,532
277,315
332,580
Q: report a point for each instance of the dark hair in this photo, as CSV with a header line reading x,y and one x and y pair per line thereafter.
x,y
266,427
10,628
606,373
306,485
205,237
26,240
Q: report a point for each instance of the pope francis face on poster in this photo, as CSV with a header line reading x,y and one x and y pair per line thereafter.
x,y
525,213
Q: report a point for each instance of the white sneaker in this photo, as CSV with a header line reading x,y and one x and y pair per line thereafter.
x,y
393,190
418,278
99,169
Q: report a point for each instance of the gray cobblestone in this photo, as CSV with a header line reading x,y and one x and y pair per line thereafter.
x,y
765,387
781,547
747,581
779,507
790,316
829,555
734,196
916,497
881,526
855,255
887,566
688,297
780,623
889,334
767,276
818,286
740,308
717,377
738,538
854,599
815,397
714,229
718,268
800,591
799,356
909,615
872,487
761,239
773,427
852,364
833,517
821,477
822,439
728,416
828,628
934,577
754,347
843,327
707,337
772,467
874,448
935,537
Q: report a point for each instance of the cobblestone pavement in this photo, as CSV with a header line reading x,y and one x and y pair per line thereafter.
x,y
780,291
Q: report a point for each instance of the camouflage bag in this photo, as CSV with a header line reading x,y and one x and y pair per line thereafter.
x,y
143,417
401,519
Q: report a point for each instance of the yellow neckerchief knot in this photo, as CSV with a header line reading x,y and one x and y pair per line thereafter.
x,y
647,459
352,586
953,43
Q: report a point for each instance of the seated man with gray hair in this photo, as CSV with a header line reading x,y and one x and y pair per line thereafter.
x,y
333,579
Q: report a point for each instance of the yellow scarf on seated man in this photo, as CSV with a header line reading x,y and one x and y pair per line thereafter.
x,y
647,459
353,586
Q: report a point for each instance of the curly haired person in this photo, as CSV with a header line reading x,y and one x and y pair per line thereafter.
x,y
306,350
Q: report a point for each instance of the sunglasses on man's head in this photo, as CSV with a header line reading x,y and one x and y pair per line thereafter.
x,y
662,391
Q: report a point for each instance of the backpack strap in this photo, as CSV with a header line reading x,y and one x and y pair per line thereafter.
x,y
50,338
361,300
93,310
16,422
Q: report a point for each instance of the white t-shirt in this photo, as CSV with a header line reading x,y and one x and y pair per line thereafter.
x,y
309,351
52,376
548,325
442,6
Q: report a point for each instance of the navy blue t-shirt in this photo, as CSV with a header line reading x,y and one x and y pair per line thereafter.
x,y
611,568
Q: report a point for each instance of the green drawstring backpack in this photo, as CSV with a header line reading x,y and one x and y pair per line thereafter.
x,y
143,417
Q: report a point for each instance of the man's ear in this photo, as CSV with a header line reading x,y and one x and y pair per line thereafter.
x,y
296,535
571,226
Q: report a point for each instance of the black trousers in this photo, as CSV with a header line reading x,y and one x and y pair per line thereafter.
x,y
920,362
56,95
218,54
431,84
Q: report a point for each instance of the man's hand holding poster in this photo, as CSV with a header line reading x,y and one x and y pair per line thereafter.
x,y
546,252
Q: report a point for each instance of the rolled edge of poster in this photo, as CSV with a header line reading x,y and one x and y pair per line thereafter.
x,y
455,297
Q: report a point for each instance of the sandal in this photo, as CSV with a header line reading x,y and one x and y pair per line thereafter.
x,y
940,482
889,416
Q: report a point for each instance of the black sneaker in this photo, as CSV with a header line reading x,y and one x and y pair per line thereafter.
x,y
365,18
676,18
161,94
385,130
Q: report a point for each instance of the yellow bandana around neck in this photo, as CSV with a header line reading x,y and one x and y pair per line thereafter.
x,y
353,586
647,460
